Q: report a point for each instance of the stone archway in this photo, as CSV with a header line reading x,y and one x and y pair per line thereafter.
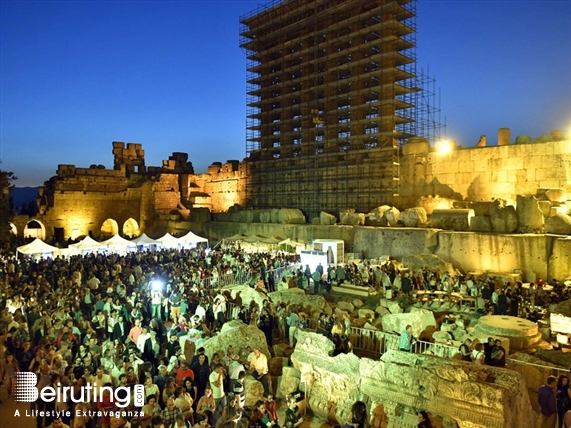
x,y
35,229
13,229
131,228
109,228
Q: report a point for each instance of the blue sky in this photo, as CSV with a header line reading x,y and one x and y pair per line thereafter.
x,y
77,75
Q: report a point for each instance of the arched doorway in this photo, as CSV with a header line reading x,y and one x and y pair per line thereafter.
x,y
131,228
13,229
109,228
35,229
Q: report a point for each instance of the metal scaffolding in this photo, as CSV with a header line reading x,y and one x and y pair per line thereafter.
x,y
332,92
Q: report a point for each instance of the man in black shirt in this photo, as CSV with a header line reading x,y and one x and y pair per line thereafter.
x,y
488,351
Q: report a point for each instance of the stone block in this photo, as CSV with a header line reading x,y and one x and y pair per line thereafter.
x,y
559,224
545,208
556,195
392,215
327,219
253,391
290,216
377,216
504,217
394,308
366,313
431,203
345,306
481,208
358,303
452,219
529,216
297,297
289,382
481,224
354,219
414,217
239,335
419,319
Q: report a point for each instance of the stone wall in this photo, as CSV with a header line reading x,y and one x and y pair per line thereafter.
x,y
457,393
545,256
220,188
483,173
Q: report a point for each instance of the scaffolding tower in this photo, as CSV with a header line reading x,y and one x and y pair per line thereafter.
x,y
332,92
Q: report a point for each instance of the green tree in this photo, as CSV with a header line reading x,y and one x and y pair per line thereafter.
x,y
6,209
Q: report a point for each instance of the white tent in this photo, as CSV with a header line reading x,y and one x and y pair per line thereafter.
x,y
38,248
86,245
144,241
118,244
169,241
191,240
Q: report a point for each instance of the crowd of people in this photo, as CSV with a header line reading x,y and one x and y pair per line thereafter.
x,y
115,320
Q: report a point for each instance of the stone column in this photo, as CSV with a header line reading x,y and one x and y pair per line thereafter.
x,y
503,137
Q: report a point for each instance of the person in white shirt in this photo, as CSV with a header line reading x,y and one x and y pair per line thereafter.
x,y
216,380
143,338
259,368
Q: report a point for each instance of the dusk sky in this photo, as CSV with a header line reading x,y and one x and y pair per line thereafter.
x,y
77,75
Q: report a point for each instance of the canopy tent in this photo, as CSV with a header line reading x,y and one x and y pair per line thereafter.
x,y
38,248
118,244
144,241
292,243
169,241
191,240
86,245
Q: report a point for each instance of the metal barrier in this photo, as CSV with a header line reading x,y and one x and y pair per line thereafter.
x,y
438,349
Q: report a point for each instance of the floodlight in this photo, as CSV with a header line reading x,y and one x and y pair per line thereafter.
x,y
444,147
156,285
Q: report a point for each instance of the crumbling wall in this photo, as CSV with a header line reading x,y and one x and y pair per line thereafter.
x,y
483,173
456,392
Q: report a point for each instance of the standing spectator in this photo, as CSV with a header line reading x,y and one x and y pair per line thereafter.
x,y
292,322
465,350
499,354
548,402
478,354
405,341
563,396
488,351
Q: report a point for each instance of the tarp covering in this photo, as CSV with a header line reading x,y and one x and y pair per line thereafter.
x,y
145,240
169,241
191,238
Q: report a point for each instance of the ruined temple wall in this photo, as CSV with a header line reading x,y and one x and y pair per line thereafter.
x,y
498,253
81,212
483,173
166,191
222,187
